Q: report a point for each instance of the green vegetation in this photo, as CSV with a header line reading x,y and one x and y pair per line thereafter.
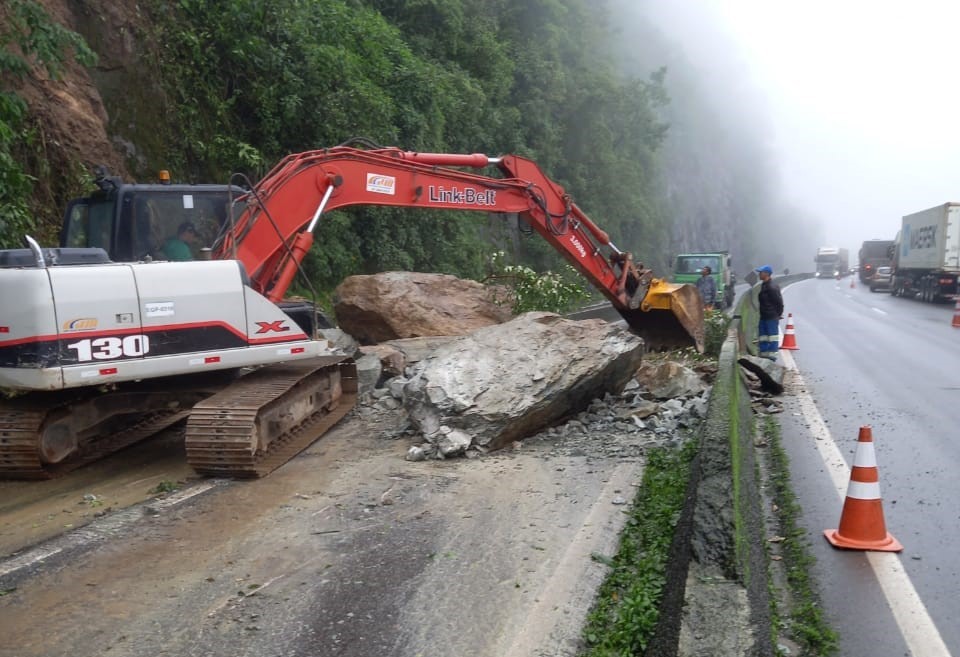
x,y
803,620
716,325
164,487
28,38
549,291
627,606
213,88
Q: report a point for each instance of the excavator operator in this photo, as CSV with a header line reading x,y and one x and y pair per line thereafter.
x,y
178,248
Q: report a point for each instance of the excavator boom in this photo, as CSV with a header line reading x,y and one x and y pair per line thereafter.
x,y
275,231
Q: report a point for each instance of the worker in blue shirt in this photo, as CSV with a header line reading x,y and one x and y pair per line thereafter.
x,y
708,288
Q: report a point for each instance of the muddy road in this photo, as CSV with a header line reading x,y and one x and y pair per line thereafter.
x,y
347,550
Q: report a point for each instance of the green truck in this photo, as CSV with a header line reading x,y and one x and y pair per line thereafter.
x,y
688,266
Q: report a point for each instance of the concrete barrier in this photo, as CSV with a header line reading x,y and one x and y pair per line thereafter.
x,y
717,599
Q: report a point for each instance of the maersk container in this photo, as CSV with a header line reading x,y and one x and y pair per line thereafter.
x,y
927,254
931,239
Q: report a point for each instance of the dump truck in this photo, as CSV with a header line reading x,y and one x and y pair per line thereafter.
x,y
687,268
926,254
110,344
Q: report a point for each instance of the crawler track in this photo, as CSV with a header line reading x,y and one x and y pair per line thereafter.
x,y
21,423
265,418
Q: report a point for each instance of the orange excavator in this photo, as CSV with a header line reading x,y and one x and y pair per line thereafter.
x,y
109,349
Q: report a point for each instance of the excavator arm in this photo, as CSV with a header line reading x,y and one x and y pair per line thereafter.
x,y
274,233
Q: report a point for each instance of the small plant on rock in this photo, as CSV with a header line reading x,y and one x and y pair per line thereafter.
x,y
715,324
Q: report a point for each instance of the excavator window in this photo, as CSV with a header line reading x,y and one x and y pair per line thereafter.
x,y
90,225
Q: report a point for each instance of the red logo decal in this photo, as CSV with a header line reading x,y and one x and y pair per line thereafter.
x,y
269,327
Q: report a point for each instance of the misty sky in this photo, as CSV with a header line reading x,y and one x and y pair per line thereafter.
x,y
862,97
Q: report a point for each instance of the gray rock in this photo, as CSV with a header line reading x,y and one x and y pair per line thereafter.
x,y
675,406
770,373
341,341
453,443
487,383
668,379
643,408
395,386
368,373
416,453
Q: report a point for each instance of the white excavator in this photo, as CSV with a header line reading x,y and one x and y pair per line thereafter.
x,y
108,341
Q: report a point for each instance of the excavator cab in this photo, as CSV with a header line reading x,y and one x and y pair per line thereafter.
x,y
131,221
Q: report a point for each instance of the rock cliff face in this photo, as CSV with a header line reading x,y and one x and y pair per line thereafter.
x,y
69,111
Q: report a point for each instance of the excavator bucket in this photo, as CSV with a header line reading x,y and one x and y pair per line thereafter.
x,y
669,317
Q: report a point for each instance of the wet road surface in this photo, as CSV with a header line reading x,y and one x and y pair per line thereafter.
x,y
894,364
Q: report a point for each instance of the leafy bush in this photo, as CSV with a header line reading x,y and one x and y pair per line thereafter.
x,y
555,292
716,324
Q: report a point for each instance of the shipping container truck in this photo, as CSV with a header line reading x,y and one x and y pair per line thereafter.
x,y
873,255
926,254
832,262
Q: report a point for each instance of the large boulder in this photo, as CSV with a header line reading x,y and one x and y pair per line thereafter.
x,y
416,349
504,382
394,305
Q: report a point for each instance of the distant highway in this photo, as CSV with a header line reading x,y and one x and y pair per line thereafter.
x,y
872,359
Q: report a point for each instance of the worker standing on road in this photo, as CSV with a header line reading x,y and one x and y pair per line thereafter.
x,y
708,288
770,303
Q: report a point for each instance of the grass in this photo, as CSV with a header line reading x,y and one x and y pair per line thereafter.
x,y
626,610
802,618
164,487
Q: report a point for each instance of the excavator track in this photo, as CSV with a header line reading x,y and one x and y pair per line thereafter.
x,y
267,417
20,424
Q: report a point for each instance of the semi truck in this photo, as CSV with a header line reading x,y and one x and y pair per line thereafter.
x,y
873,255
832,262
926,254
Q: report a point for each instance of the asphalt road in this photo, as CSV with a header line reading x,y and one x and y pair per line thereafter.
x,y
893,364
348,550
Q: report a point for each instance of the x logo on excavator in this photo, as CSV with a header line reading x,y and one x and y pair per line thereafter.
x,y
268,327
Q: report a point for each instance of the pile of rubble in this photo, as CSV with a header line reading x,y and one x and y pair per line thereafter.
x,y
625,424
582,385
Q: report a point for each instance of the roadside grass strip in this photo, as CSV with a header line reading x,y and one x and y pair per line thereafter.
x,y
626,610
799,614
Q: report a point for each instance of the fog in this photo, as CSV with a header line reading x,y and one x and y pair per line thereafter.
x,y
857,101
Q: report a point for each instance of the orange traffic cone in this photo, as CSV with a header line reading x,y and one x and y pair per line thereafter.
x,y
956,314
789,339
861,522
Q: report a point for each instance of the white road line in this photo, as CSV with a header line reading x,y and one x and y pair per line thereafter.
x,y
102,528
877,310
916,626
26,560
